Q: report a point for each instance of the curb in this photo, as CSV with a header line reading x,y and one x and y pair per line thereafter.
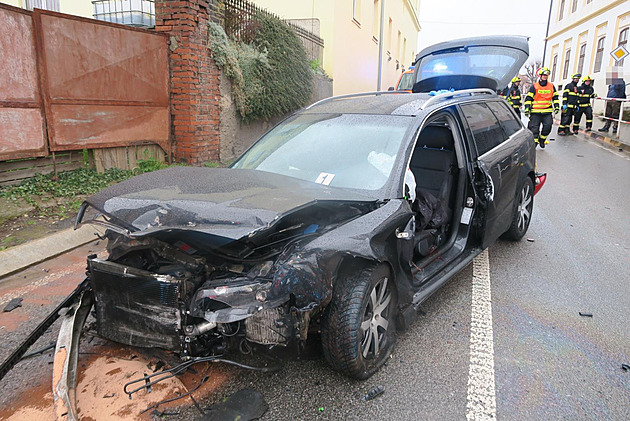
x,y
602,138
20,257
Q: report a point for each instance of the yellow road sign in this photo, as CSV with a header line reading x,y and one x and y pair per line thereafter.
x,y
619,53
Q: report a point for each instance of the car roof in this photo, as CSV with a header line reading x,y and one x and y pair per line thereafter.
x,y
392,102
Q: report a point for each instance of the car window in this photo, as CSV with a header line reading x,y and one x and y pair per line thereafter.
x,y
406,82
337,150
508,120
487,132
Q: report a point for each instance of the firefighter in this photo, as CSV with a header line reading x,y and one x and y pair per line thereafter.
x,y
569,104
585,93
540,102
514,95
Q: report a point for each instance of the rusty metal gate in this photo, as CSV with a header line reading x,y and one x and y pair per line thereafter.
x,y
71,83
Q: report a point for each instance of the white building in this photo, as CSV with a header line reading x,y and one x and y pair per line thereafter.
x,y
582,34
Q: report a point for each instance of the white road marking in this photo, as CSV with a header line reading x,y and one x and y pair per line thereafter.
x,y
481,403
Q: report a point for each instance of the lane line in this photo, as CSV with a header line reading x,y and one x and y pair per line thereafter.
x,y
481,403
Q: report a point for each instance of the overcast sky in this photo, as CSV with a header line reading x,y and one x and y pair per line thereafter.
x,y
444,20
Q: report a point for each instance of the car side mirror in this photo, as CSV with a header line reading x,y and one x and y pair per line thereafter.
x,y
391,88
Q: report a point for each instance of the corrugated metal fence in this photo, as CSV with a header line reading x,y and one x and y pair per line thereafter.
x,y
70,83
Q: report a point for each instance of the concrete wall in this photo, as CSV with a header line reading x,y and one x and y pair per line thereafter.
x,y
237,136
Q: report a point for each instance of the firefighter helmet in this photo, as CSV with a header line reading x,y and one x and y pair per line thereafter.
x,y
516,79
544,71
576,76
587,77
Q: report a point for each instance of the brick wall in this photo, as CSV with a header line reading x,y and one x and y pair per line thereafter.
x,y
194,79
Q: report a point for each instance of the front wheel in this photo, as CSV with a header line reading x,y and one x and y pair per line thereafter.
x,y
358,326
522,211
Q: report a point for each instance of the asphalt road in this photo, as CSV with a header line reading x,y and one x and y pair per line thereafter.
x,y
542,359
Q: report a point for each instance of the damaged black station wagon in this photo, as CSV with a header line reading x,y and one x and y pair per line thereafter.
x,y
341,220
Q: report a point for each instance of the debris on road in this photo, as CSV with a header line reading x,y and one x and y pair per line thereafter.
x,y
531,240
13,304
625,367
377,391
244,405
585,314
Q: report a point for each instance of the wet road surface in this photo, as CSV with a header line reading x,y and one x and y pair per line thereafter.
x,y
545,360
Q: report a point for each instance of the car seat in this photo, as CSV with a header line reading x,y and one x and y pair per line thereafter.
x,y
433,164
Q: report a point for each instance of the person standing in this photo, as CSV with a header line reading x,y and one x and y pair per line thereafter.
x,y
569,104
613,107
585,93
540,102
514,95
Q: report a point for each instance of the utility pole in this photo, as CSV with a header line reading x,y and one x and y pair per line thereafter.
x,y
547,33
380,47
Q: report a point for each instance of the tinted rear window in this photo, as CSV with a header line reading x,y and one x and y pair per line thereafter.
x,y
508,120
487,132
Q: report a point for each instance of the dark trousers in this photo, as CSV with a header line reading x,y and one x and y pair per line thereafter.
x,y
578,116
612,111
565,120
517,111
535,119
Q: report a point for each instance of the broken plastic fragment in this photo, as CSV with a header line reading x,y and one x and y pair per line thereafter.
x,y
13,304
585,314
377,391
625,367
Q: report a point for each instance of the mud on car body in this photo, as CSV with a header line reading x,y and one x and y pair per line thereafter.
x,y
341,220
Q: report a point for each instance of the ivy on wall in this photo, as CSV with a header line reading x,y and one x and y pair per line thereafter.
x,y
270,76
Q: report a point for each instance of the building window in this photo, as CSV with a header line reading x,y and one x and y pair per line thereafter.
x,y
599,55
580,67
561,10
623,40
356,10
554,66
588,1
574,6
140,13
567,59
43,4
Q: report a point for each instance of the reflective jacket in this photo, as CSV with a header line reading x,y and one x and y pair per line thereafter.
x,y
514,96
585,93
542,98
570,95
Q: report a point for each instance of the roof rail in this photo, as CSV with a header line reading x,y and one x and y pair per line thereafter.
x,y
448,95
332,98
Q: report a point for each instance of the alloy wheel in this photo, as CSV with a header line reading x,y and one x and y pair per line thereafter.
x,y
376,319
524,208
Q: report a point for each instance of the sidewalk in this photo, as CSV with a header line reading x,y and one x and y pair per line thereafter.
x,y
20,257
609,138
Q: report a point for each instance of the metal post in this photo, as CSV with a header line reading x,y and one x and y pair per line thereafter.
x,y
621,104
380,47
547,33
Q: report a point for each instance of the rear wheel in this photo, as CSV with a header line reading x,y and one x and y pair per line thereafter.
x,y
358,326
522,211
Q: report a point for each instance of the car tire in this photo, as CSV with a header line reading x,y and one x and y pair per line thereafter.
x,y
357,340
522,211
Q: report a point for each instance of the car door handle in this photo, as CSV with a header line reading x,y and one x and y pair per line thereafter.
x,y
515,158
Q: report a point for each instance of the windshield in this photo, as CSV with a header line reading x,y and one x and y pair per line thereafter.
x,y
494,62
406,82
348,150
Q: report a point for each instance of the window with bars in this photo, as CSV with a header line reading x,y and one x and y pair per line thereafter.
x,y
140,13
567,59
623,40
580,66
554,66
599,55
43,4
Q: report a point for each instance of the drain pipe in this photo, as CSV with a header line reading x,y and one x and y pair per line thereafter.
x,y
380,47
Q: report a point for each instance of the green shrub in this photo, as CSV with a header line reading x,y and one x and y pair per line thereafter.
x,y
271,76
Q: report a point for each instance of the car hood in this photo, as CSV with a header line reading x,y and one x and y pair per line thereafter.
x,y
477,62
225,202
